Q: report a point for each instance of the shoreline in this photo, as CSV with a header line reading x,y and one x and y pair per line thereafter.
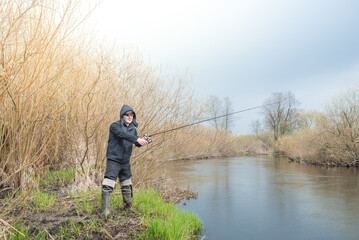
x,y
324,163
79,215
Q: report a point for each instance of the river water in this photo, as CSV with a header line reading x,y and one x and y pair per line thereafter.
x,y
268,198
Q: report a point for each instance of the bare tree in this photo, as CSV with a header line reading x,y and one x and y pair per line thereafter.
x,y
256,126
307,119
280,113
214,109
228,119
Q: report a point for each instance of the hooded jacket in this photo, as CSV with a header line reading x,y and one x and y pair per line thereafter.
x,y
122,138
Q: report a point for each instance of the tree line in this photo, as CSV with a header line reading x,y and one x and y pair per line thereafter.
x,y
330,137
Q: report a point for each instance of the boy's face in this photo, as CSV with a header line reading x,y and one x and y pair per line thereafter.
x,y
128,117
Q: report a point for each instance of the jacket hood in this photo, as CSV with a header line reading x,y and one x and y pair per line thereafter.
x,y
124,109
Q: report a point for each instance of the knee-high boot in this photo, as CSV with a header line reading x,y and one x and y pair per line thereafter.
x,y
127,197
106,191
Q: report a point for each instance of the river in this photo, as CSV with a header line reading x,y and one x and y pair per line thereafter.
x,y
269,198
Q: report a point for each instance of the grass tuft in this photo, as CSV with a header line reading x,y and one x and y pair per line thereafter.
x,y
84,203
61,176
21,232
43,202
165,220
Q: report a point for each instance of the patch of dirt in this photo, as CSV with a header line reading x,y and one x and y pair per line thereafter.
x,y
176,195
120,225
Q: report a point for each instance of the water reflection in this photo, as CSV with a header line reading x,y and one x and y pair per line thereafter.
x,y
259,198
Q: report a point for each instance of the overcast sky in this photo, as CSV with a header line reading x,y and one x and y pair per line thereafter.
x,y
245,49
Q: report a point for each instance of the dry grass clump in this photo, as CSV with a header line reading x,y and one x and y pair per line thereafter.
x,y
302,145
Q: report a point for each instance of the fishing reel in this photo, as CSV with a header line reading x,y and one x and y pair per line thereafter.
x,y
147,138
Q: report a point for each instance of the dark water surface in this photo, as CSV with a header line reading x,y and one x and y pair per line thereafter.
x,y
260,198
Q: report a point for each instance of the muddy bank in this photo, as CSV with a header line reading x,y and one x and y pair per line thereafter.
x,y
67,220
176,195
333,163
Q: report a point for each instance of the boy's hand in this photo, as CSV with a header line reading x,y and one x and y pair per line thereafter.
x,y
142,141
147,138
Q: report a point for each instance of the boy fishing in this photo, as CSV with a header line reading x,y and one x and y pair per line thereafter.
x,y
123,135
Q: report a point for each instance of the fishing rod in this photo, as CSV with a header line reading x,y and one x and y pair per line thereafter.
x,y
205,120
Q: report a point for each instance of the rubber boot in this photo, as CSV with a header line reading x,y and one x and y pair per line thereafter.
x,y
105,202
127,197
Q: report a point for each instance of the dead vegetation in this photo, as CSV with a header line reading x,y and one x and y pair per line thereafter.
x,y
60,91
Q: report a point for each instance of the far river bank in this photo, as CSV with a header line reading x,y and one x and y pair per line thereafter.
x,y
261,148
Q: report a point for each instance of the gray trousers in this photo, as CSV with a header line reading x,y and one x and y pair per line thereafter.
x,y
116,170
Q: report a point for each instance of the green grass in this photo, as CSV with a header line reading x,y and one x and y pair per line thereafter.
x,y
24,233
43,202
84,203
164,220
79,230
21,233
60,176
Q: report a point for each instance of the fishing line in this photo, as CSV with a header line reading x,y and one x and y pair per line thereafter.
x,y
209,119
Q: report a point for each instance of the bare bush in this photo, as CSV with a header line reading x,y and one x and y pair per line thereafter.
x,y
302,145
260,143
340,135
329,138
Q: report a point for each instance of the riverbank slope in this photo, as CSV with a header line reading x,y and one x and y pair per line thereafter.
x,y
54,212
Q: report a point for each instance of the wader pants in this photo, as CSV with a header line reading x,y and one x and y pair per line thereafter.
x,y
115,169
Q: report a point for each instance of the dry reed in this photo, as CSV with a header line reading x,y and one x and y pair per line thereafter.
x,y
59,94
